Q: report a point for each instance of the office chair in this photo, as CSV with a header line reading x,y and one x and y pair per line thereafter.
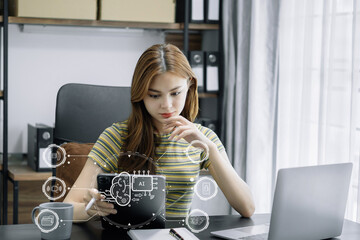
x,y
82,113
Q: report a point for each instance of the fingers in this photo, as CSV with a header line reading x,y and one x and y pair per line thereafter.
x,y
173,124
100,212
94,193
184,134
178,132
104,208
183,129
179,120
99,206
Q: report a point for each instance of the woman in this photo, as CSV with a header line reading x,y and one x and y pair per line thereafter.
x,y
164,105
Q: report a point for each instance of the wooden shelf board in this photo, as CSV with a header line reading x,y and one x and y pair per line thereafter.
x,y
92,23
25,173
102,23
208,95
201,26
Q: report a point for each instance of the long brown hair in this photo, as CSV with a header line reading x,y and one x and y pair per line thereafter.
x,y
157,59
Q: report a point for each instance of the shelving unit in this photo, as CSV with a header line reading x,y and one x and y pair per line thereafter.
x,y
4,98
5,20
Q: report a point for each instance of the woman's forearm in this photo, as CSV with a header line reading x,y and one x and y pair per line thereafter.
x,y
234,188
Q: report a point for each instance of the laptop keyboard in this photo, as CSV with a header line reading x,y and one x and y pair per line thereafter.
x,y
262,236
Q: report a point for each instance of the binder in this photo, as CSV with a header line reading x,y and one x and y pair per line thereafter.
x,y
196,60
212,72
212,11
196,11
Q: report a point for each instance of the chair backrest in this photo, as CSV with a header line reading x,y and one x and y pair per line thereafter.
x,y
84,111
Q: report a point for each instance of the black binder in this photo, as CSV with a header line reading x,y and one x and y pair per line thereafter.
x,y
196,11
212,72
212,11
196,59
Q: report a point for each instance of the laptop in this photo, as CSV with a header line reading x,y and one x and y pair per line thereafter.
x,y
138,198
309,203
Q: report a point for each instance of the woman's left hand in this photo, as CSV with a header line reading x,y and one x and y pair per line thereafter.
x,y
185,129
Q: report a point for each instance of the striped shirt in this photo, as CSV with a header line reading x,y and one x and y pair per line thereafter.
x,y
178,161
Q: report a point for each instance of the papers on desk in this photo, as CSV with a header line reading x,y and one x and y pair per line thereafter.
x,y
160,234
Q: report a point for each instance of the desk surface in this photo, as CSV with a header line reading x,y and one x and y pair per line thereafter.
x,y
93,230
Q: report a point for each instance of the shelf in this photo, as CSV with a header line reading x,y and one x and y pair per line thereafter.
x,y
115,24
208,95
201,26
92,23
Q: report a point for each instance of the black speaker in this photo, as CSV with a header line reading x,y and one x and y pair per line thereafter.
x,y
212,71
209,123
196,60
40,137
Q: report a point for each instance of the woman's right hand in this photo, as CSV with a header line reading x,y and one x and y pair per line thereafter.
x,y
99,207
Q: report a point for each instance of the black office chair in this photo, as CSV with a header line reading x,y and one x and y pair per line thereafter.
x,y
83,112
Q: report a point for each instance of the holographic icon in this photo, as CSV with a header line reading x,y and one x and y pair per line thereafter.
x,y
54,156
193,146
206,188
47,220
142,183
120,189
123,185
197,220
54,188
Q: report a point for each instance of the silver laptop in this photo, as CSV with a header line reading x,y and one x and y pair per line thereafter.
x,y
309,203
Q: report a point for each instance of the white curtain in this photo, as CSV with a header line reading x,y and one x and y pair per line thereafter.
x,y
250,30
319,96
292,89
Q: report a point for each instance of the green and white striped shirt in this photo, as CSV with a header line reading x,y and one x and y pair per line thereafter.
x,y
179,162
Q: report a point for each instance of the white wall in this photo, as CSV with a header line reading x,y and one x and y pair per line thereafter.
x,y
43,58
